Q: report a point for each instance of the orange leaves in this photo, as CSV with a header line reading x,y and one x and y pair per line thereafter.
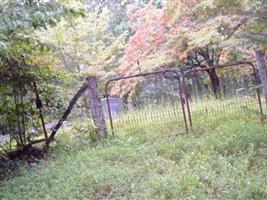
x,y
157,34
158,31
149,32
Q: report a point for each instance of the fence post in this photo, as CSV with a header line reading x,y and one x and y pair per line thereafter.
x,y
96,107
67,112
262,72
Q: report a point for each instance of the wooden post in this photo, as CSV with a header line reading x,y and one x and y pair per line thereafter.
x,y
262,72
67,112
96,107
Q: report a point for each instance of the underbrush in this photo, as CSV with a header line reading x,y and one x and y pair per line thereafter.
x,y
228,162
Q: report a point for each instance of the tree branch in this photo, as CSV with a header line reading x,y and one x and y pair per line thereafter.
x,y
243,21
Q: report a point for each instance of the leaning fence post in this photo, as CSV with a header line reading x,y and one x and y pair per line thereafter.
x,y
262,72
96,107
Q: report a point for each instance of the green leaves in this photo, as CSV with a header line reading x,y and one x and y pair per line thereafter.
x,y
86,45
24,58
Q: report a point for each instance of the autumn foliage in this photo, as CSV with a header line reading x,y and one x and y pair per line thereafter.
x,y
194,33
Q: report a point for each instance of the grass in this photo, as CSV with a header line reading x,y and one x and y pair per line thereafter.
x,y
223,159
170,114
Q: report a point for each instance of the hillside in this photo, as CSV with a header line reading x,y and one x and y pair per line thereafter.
x,y
228,162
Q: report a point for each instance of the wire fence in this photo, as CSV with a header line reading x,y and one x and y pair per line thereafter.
x,y
154,105
182,102
222,95
159,101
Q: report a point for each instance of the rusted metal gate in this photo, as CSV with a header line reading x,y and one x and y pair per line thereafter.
x,y
157,103
236,98
192,102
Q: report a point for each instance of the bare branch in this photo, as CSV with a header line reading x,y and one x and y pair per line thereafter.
x,y
243,21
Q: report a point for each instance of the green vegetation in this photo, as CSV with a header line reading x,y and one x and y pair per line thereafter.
x,y
49,48
57,44
226,160
169,114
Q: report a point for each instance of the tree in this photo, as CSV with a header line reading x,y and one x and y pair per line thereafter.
x,y
219,31
195,33
86,45
143,45
20,67
100,47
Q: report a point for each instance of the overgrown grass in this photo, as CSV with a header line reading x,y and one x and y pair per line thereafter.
x,y
223,159
205,112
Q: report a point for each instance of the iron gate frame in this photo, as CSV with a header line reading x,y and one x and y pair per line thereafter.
x,y
204,68
176,75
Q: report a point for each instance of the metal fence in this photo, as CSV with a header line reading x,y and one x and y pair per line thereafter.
x,y
181,101
155,104
234,98
167,100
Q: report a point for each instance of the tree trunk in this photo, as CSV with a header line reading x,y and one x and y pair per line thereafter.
x,y
262,72
96,107
215,82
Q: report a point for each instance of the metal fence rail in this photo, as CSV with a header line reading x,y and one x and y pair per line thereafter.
x,y
156,105
235,98
179,100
